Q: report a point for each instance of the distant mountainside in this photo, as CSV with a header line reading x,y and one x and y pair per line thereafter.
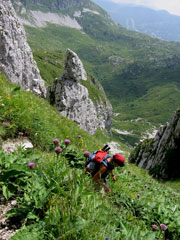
x,y
140,74
64,13
159,24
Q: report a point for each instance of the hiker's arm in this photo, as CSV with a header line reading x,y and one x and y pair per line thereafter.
x,y
113,177
97,176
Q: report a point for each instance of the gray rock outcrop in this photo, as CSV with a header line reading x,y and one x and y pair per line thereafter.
x,y
16,59
160,156
72,99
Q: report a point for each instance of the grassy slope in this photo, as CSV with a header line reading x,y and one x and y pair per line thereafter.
x,y
24,112
88,214
57,201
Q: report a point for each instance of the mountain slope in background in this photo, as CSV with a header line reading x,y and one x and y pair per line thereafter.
x,y
136,71
159,24
64,13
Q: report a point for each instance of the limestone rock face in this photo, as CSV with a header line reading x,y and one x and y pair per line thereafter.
x,y
16,60
71,98
161,156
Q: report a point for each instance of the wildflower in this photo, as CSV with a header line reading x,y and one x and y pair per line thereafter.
x,y
79,136
163,227
86,153
56,141
138,195
31,165
132,196
107,238
145,185
155,227
67,142
58,150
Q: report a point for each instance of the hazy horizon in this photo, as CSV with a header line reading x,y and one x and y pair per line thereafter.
x,y
173,6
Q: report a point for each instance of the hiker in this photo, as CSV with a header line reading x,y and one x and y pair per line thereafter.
x,y
100,164
106,167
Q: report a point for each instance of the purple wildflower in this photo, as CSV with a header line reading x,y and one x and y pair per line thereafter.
x,y
79,136
67,142
163,227
58,150
107,238
86,153
138,195
31,165
145,185
155,227
56,141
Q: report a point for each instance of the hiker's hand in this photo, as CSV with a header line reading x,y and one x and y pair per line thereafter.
x,y
107,190
114,178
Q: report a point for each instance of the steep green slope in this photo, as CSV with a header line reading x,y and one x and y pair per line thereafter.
x,y
56,200
21,111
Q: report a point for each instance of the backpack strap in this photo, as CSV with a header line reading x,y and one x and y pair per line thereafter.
x,y
105,161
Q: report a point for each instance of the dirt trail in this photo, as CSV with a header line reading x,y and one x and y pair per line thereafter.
x,y
6,230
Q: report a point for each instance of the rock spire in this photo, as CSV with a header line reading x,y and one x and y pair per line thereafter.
x,y
72,99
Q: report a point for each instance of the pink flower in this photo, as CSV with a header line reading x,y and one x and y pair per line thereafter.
x,y
31,165
155,227
79,136
163,227
67,142
86,154
56,141
58,150
138,195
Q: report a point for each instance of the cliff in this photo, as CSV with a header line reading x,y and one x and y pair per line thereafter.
x,y
16,59
71,95
160,155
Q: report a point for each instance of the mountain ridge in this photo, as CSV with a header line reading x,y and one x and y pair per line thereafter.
x,y
156,23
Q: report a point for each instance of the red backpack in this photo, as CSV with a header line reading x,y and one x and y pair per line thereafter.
x,y
100,155
94,160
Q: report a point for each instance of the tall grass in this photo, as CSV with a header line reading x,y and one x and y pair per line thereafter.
x,y
56,200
